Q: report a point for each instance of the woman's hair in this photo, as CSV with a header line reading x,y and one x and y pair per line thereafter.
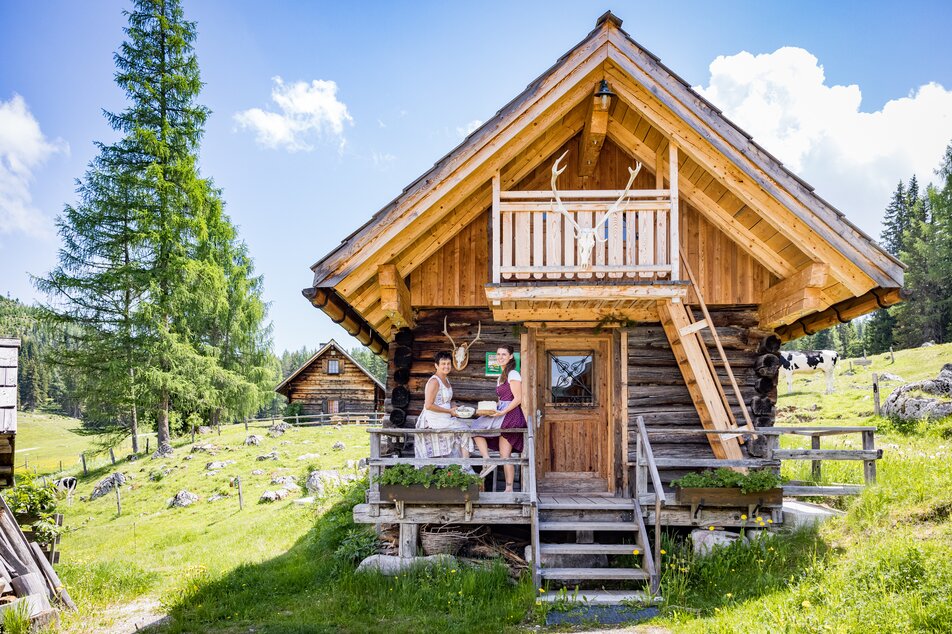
x,y
439,356
510,366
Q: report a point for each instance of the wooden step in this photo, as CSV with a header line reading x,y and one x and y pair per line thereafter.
x,y
587,526
610,504
594,573
589,549
602,597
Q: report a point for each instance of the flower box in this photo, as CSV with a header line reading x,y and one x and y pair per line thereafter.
x,y
728,496
419,494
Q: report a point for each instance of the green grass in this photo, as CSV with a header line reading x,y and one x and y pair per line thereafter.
x,y
46,440
282,568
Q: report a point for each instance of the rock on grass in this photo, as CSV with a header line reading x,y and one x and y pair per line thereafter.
x,y
182,499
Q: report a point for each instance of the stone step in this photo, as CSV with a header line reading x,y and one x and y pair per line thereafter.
x,y
589,549
587,526
593,573
602,597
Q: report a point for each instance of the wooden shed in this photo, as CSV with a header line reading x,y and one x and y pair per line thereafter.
x,y
9,353
333,382
663,297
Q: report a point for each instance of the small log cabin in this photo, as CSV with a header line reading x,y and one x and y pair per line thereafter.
x,y
632,243
9,353
333,382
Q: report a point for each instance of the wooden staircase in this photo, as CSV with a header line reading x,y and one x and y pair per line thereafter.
x,y
594,525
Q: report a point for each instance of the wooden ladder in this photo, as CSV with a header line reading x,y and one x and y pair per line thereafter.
x,y
700,375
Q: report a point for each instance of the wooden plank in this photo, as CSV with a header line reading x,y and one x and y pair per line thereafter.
x,y
507,242
594,573
538,242
395,296
584,291
790,490
497,227
593,136
586,196
553,249
507,514
522,245
675,207
788,309
828,454
814,275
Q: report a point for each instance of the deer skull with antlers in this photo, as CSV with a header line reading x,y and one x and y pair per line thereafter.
x,y
585,237
461,352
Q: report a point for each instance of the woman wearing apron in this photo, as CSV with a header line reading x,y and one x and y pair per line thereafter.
x,y
439,413
509,416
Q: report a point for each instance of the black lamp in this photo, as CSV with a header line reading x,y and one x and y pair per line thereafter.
x,y
604,94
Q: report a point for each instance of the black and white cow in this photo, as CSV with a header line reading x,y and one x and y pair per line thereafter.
x,y
67,485
808,361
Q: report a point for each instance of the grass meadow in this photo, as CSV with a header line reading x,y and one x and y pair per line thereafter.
x,y
287,568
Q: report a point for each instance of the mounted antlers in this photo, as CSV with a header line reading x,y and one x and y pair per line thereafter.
x,y
586,236
461,352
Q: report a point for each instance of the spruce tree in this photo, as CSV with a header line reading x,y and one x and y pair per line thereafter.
x,y
896,221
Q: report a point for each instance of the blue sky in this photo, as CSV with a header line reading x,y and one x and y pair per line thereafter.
x,y
409,78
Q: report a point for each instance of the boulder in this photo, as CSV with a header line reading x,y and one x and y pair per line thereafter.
x,y
274,496
393,565
284,480
923,400
107,484
183,498
188,457
362,463
278,429
303,501
257,472
164,451
269,456
218,464
705,541
309,456
253,440
797,514
338,446
892,378
207,447
217,496
318,482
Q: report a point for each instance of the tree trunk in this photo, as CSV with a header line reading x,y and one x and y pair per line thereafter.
x,y
134,415
162,424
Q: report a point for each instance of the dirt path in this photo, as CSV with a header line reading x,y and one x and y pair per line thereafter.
x,y
135,617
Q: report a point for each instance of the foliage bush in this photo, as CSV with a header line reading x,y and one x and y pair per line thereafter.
x,y
291,410
429,476
45,531
723,478
31,497
359,543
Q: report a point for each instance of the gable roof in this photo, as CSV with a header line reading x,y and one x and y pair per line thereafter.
x,y
609,43
283,386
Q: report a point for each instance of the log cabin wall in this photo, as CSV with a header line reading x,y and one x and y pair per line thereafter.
x,y
352,388
656,388
470,385
456,274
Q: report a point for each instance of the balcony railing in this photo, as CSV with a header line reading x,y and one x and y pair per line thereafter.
x,y
533,240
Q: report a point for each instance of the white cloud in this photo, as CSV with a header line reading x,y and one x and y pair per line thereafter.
x,y
853,158
308,111
465,130
23,149
382,159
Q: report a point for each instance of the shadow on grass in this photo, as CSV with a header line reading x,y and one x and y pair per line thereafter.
x,y
313,588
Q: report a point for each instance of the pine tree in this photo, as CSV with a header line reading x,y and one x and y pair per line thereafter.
x,y
896,221
878,332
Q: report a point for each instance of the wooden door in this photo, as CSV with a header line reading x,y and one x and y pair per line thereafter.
x,y
573,395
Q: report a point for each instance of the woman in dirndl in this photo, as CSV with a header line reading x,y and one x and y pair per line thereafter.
x,y
509,416
439,412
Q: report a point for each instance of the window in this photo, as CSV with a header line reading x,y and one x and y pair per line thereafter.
x,y
333,406
333,366
571,380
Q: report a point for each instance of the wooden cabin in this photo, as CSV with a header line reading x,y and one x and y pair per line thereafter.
x,y
333,382
662,300
9,353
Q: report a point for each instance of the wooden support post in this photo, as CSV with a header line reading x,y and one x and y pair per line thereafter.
x,y
147,450
674,247
112,455
409,536
876,409
246,424
816,465
892,356
193,434
82,457
869,466
241,497
118,501
61,465
496,228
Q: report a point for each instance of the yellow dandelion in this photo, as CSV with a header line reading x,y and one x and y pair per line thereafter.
x,y
541,589
636,552
760,519
538,602
729,595
806,604
743,517
664,552
710,528
770,521
453,570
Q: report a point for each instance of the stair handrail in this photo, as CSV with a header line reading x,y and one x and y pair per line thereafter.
x,y
644,448
533,499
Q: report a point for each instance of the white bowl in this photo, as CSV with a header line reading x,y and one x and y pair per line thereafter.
x,y
465,412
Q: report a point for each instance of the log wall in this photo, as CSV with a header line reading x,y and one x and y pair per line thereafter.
x,y
9,354
354,390
656,389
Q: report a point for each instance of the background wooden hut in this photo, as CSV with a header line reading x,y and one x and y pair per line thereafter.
x,y
333,382
9,351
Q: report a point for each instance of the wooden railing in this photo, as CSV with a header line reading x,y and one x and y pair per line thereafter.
x,y
377,461
533,240
645,466
312,420
773,457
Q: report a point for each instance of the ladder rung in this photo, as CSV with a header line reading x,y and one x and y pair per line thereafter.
x,y
698,325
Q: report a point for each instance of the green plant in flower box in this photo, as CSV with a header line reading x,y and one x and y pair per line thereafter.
x,y
723,478
429,476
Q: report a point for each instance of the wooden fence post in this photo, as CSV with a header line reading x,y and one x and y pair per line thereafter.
x,y
83,458
246,424
869,466
147,444
112,455
118,501
241,498
876,409
61,465
193,434
816,465
409,536
892,356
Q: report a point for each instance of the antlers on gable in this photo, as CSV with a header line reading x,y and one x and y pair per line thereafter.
x,y
586,236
